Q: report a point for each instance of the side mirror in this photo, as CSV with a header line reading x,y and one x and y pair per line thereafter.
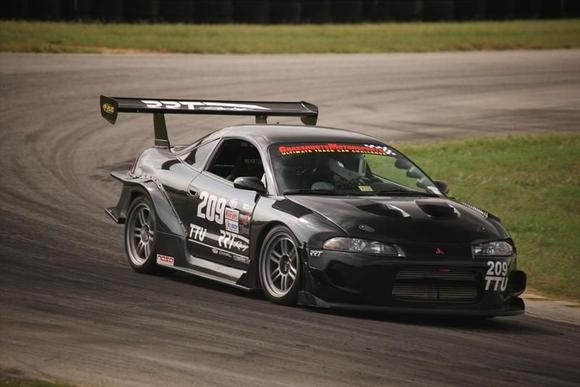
x,y
442,186
250,183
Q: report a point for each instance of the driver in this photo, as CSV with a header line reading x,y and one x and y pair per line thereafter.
x,y
322,176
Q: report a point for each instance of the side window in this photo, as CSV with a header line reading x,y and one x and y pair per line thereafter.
x,y
237,158
198,155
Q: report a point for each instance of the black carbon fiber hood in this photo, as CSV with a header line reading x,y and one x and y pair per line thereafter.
x,y
405,220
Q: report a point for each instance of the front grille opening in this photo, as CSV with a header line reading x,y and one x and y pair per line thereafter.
x,y
433,285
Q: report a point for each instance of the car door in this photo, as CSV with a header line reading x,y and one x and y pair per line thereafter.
x,y
178,174
220,227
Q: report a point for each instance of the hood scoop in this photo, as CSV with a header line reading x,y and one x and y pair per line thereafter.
x,y
384,210
437,209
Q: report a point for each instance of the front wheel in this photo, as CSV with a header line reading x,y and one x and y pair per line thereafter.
x,y
280,266
140,236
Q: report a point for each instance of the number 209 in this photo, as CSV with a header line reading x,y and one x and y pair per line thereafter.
x,y
497,268
211,208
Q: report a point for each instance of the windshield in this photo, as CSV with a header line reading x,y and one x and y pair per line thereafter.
x,y
347,169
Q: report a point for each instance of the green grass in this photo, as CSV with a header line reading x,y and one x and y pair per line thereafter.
x,y
270,39
533,184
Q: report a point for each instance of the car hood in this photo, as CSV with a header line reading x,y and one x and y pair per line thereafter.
x,y
405,220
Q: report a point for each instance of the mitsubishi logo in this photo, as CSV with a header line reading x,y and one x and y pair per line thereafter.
x,y
439,251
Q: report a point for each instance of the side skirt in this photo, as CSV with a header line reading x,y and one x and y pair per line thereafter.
x,y
218,276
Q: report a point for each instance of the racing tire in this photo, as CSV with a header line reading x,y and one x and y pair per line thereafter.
x,y
141,236
280,266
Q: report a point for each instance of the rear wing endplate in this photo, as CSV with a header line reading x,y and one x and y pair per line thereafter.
x,y
112,106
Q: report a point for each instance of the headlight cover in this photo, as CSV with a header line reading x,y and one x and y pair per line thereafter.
x,y
356,245
492,249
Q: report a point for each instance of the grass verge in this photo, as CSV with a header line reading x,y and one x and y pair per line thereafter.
x,y
272,39
533,184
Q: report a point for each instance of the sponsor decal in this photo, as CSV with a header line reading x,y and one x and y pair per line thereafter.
x,y
233,215
496,277
234,256
241,258
365,188
385,149
222,253
165,260
231,241
245,219
246,207
108,108
211,208
197,232
315,253
336,148
199,105
232,226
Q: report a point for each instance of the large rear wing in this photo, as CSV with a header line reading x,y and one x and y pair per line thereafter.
x,y
112,106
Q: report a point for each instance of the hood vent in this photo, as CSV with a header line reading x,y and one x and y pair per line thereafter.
x,y
383,210
437,209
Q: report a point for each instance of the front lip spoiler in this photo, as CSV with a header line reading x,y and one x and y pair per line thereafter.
x,y
516,307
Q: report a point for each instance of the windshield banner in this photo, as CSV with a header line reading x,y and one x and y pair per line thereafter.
x,y
336,148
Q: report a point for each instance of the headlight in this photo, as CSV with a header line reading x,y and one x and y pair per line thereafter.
x,y
356,245
492,249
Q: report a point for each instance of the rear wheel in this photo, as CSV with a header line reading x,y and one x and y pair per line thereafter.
x,y
280,266
140,236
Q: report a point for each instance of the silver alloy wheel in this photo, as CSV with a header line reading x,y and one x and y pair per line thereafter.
x,y
140,237
279,265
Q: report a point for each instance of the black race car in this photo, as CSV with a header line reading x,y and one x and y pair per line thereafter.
x,y
312,216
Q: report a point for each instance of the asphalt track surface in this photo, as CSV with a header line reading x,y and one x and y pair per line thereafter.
x,y
71,309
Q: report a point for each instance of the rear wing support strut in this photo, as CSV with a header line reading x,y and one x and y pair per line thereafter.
x,y
112,106
161,137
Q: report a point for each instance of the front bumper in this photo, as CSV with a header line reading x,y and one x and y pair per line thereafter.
x,y
445,287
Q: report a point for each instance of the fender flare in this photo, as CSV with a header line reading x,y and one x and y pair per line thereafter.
x,y
168,219
268,214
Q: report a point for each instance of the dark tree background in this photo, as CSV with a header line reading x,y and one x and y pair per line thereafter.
x,y
285,11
